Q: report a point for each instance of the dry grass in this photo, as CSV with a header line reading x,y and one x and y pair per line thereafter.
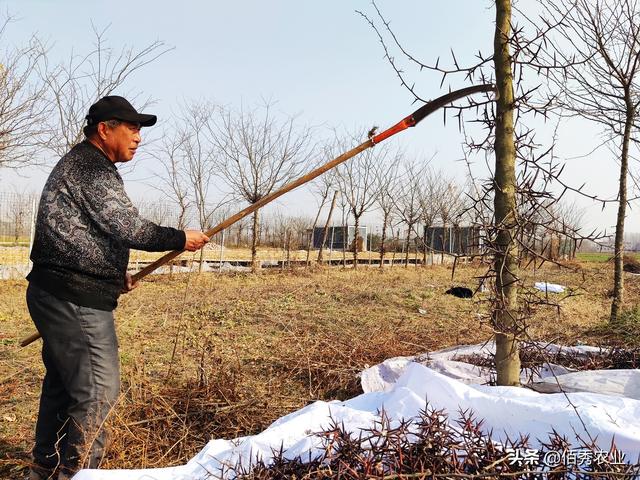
x,y
212,252
225,355
14,254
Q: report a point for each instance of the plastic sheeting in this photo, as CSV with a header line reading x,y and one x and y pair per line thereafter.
x,y
549,287
401,387
451,362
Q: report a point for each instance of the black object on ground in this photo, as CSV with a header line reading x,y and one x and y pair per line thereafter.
x,y
460,292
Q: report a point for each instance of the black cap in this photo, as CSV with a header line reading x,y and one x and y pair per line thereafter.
x,y
117,108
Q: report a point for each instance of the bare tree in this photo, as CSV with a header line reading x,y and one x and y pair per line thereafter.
x,y
73,86
407,201
505,220
359,186
498,138
278,224
23,106
20,210
325,229
503,139
258,154
322,188
449,201
395,238
572,221
599,82
429,195
344,226
173,175
200,162
298,226
388,182
240,227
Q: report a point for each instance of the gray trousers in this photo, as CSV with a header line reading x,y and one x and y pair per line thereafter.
x,y
81,384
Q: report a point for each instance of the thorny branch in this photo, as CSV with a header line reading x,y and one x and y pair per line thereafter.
x,y
541,219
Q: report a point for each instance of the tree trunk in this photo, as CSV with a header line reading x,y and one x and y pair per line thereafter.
x,y
181,226
408,239
505,314
424,245
395,246
383,238
325,230
444,241
239,237
345,239
313,230
254,242
433,236
19,222
355,241
618,272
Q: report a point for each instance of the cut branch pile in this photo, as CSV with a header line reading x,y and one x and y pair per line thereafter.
x,y
533,357
432,447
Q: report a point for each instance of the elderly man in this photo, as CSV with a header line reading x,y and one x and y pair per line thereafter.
x,y
85,227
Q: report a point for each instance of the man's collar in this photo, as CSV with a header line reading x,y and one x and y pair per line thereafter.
x,y
95,147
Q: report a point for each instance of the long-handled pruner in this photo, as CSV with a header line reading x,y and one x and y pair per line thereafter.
x,y
410,121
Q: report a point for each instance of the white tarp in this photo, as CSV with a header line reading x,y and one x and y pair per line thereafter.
x,y
450,362
623,383
506,410
549,287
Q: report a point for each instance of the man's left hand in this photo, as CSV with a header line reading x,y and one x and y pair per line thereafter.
x,y
129,284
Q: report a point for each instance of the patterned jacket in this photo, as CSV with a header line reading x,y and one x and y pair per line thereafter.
x,y
85,227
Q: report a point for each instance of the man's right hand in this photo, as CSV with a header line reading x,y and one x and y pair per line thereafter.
x,y
195,240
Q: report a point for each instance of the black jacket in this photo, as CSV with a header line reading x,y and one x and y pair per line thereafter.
x,y
85,227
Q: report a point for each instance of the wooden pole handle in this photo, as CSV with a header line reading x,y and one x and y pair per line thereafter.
x,y
30,339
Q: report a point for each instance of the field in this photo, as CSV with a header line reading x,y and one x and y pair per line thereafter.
x,y
602,257
209,356
11,254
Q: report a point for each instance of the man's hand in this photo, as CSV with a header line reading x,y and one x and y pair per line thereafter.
x,y
195,240
128,284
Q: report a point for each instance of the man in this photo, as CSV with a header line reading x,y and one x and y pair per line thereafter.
x,y
85,227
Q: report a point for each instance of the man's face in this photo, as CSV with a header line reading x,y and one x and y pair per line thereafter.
x,y
122,141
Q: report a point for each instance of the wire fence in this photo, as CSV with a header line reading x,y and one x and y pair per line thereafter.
x,y
17,217
283,242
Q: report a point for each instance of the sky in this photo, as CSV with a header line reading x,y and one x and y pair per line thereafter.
x,y
318,60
